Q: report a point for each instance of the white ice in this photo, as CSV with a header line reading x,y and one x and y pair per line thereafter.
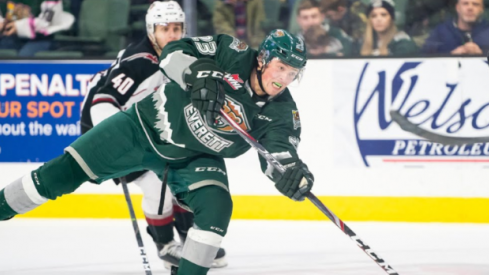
x,y
79,247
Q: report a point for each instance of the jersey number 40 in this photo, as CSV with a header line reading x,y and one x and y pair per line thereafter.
x,y
122,83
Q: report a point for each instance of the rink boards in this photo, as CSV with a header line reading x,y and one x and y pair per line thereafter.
x,y
366,167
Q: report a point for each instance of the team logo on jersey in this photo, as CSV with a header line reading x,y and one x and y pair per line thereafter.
x,y
236,111
296,119
202,132
234,81
238,45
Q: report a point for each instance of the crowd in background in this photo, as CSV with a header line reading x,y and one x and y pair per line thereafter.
x,y
77,28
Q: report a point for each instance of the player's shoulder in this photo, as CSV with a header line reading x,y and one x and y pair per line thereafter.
x,y
141,52
282,103
285,98
283,111
233,44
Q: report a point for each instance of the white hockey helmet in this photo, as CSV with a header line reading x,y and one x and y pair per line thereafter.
x,y
162,13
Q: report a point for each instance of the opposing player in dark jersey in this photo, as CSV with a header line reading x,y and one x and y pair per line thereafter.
x,y
177,133
134,75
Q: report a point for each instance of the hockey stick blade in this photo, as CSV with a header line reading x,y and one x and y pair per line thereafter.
x,y
410,127
339,223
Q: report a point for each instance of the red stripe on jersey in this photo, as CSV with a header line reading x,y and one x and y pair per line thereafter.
x,y
160,222
178,209
138,92
152,58
108,100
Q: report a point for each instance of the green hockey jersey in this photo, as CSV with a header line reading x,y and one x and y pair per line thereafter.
x,y
177,130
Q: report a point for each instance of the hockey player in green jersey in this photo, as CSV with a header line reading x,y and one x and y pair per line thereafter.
x,y
134,75
177,133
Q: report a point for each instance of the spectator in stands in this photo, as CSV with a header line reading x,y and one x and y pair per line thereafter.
x,y
333,41
241,19
422,16
467,33
320,44
358,7
30,35
339,15
381,36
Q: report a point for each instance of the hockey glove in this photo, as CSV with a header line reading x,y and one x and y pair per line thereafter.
x,y
205,83
289,183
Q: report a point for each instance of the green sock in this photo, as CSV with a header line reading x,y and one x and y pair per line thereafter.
x,y
5,210
186,267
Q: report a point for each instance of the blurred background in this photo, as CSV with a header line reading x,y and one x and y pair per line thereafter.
x,y
331,28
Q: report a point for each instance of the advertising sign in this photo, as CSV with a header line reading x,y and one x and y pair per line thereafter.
x,y
446,97
40,104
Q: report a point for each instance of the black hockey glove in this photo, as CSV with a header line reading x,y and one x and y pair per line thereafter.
x,y
289,183
205,83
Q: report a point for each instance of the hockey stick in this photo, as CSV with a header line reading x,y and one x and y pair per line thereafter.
x,y
410,127
146,267
339,223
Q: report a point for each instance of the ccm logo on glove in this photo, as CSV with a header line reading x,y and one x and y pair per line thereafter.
x,y
215,74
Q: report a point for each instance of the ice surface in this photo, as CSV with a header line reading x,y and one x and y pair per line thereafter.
x,y
82,247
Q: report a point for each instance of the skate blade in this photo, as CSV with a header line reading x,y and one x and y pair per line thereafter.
x,y
217,263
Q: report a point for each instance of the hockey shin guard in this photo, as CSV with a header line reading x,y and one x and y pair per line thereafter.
x,y
199,251
212,206
20,196
57,177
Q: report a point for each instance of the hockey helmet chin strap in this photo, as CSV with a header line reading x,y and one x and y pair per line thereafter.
x,y
259,75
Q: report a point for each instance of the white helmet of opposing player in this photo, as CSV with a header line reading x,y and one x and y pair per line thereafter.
x,y
163,13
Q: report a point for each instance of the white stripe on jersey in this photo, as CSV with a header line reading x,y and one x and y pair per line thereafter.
x,y
148,86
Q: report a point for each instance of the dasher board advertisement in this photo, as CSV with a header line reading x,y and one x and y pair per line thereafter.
x,y
40,107
444,96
